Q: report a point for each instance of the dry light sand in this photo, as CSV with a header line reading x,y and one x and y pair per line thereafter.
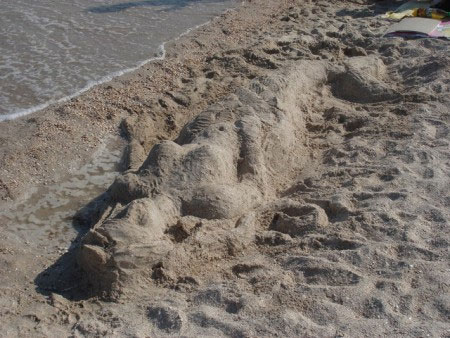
x,y
285,173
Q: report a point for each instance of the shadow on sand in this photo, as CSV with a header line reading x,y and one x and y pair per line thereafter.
x,y
65,277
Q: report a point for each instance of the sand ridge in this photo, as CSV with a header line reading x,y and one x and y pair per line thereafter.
x,y
306,195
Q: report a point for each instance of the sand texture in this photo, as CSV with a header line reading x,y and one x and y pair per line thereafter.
x,y
286,176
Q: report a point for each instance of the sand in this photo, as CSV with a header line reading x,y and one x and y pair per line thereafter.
x,y
285,172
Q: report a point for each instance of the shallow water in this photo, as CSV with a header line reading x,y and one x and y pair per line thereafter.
x,y
53,49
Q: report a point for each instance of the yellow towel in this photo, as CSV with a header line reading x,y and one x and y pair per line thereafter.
x,y
399,15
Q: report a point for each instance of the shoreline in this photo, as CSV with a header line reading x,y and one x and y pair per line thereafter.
x,y
156,52
160,56
103,80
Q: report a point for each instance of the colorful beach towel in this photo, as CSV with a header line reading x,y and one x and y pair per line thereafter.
x,y
442,30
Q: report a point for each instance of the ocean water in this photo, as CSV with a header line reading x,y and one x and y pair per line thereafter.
x,y
51,50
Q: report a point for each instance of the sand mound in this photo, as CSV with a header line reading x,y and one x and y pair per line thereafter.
x,y
226,162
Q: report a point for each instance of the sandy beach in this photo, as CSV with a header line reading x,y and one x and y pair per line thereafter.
x,y
283,172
